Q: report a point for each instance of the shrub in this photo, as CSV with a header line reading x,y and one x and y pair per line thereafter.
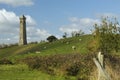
x,y
32,62
5,61
107,35
51,38
73,69
69,64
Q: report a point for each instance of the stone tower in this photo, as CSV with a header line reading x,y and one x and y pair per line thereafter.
x,y
23,36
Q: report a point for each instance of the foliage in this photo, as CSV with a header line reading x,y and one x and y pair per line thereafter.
x,y
107,35
51,38
77,33
69,64
33,63
5,61
73,70
84,63
56,61
65,35
114,61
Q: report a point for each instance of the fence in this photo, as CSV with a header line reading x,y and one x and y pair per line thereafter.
x,y
99,61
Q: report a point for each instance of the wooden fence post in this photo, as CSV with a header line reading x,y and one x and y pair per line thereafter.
x,y
102,74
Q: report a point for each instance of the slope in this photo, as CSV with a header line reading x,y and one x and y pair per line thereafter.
x,y
62,46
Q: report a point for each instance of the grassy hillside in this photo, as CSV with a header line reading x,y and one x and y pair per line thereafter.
x,y
63,46
54,61
24,72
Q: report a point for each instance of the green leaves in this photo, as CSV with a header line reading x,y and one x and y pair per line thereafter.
x,y
107,35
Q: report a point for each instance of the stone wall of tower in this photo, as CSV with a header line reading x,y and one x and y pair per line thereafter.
x,y
23,35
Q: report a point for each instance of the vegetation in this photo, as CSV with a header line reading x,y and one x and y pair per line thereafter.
x,y
62,46
22,72
5,61
51,38
67,64
65,35
107,36
77,33
53,61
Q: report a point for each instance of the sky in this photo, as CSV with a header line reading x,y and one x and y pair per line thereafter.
x,y
52,17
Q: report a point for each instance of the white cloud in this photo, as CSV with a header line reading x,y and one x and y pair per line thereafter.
x,y
76,24
73,19
8,20
36,34
9,28
17,2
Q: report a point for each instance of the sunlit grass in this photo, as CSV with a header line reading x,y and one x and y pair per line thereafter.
x,y
22,72
63,46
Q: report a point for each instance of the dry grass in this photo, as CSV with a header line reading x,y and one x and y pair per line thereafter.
x,y
112,66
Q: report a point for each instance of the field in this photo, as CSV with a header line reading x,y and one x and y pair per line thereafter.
x,y
63,46
22,72
52,61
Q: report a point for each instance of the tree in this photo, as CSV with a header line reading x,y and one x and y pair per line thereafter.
x,y
107,35
73,33
77,33
51,38
65,35
80,33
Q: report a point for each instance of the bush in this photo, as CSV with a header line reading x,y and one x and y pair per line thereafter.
x,y
5,61
73,70
52,38
107,36
32,62
69,64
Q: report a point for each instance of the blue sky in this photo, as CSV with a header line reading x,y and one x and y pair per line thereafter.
x,y
52,17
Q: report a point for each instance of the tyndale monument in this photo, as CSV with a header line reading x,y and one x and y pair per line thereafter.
x,y
22,34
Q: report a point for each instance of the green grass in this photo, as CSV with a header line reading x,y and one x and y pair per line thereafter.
x,y
63,46
22,72
6,52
